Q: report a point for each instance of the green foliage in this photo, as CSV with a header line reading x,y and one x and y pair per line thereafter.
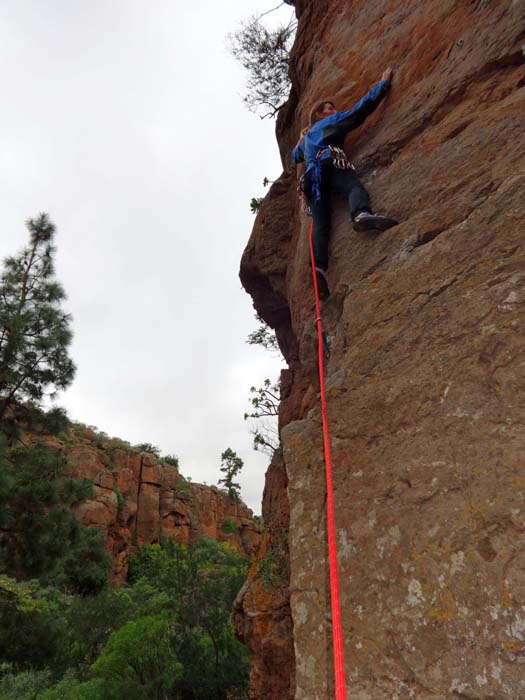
x,y
167,635
264,400
24,686
89,621
34,331
264,54
171,459
72,688
265,440
255,204
148,447
263,336
101,439
139,661
30,625
201,584
120,498
40,536
183,487
273,567
86,565
118,444
231,465
265,407
230,527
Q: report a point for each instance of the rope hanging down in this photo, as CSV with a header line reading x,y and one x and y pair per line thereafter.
x,y
337,632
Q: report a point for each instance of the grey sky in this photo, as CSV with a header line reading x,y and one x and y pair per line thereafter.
x,y
123,120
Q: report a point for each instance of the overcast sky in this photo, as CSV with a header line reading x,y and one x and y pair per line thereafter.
x,y
123,119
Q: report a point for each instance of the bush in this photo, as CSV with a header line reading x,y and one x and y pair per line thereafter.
x,y
182,487
148,447
255,204
274,567
71,688
230,527
24,686
120,498
138,662
171,459
201,583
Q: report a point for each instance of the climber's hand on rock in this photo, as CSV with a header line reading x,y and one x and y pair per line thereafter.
x,y
387,75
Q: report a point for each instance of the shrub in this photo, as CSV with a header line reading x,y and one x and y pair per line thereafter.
x,y
120,498
171,459
148,447
182,487
230,527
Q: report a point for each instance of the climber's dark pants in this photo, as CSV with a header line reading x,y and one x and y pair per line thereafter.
x,y
333,180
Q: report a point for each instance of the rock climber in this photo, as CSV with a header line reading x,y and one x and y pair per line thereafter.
x,y
329,170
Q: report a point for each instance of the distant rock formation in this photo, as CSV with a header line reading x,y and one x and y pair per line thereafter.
x,y
138,499
426,379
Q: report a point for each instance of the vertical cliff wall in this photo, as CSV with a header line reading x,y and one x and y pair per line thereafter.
x,y
139,499
427,373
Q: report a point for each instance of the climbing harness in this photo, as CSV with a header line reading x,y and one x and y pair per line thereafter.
x,y
338,156
337,632
339,160
303,198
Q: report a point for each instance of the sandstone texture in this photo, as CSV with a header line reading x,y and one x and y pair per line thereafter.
x,y
426,377
138,499
262,616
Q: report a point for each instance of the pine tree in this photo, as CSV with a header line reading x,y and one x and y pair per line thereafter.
x,y
40,538
39,535
231,465
34,330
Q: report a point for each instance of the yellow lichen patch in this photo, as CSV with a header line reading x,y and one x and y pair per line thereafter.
x,y
442,551
518,480
512,646
507,599
445,607
473,509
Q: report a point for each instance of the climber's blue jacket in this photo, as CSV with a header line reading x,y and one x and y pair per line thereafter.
x,y
331,131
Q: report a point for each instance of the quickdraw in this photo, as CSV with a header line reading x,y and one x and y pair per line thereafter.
x,y
340,161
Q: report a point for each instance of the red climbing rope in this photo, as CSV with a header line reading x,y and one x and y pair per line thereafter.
x,y
337,631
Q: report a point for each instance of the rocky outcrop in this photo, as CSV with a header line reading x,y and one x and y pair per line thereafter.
x,y
138,499
262,616
426,374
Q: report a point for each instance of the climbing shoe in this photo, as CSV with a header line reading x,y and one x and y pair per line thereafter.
x,y
365,221
322,284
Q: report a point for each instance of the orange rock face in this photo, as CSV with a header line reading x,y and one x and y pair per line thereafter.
x,y
262,615
426,375
139,500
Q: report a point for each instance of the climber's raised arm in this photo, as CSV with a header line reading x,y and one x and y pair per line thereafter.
x,y
352,118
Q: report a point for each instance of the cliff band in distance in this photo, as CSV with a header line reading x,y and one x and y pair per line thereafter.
x,y
139,499
426,378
